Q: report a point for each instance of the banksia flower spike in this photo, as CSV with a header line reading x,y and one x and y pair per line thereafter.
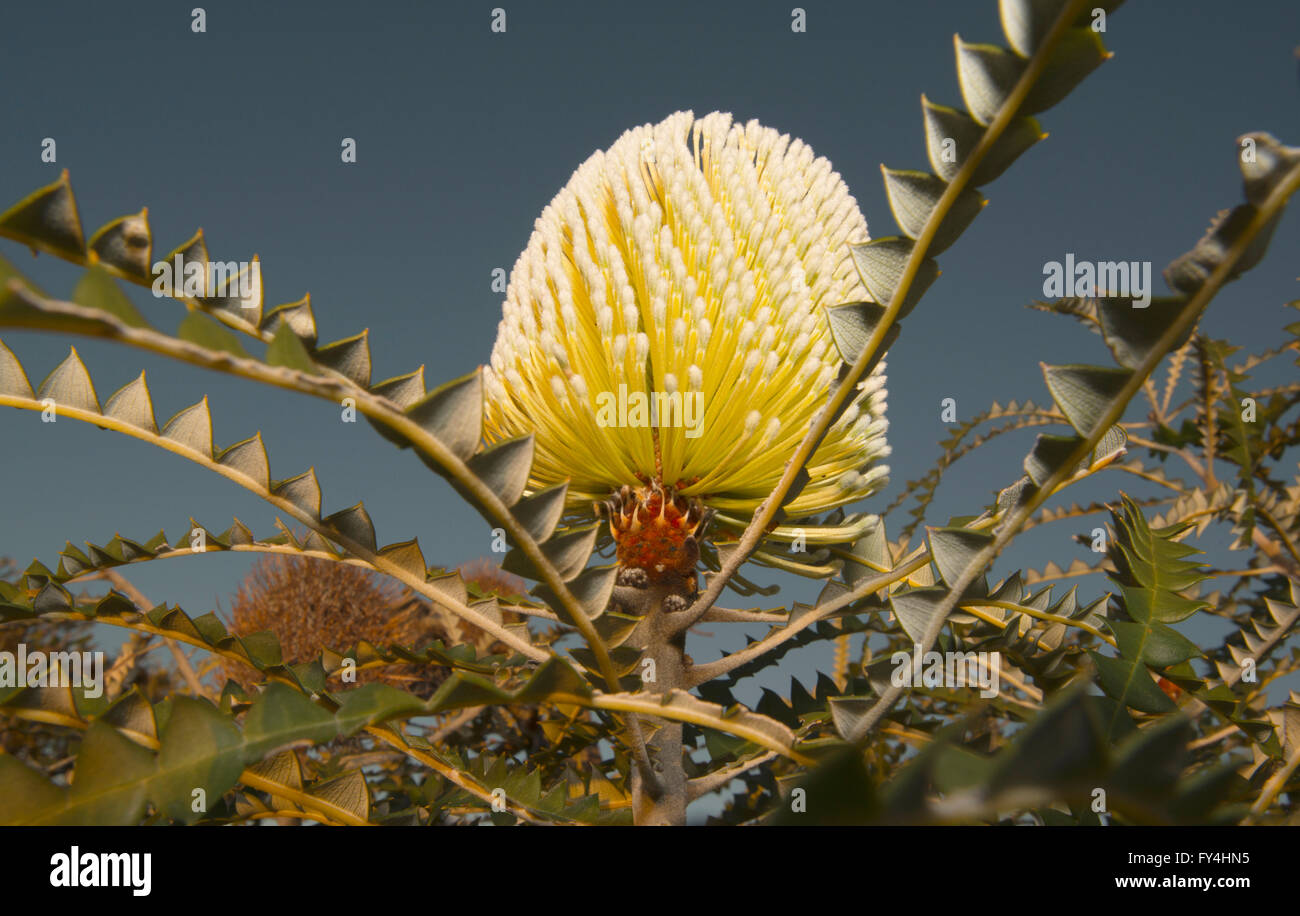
x,y
665,336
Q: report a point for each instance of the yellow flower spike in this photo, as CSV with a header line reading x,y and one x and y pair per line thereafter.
x,y
666,326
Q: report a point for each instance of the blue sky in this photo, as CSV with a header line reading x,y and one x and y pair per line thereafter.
x,y
464,135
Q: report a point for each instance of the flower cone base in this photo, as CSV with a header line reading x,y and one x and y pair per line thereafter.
x,y
657,531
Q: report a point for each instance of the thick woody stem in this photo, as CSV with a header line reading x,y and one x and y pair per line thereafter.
x,y
659,797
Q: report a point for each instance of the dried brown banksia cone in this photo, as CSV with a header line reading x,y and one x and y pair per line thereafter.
x,y
312,604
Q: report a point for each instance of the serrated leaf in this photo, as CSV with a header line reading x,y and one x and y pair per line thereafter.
x,y
1130,683
69,385
504,467
913,197
248,458
237,291
354,523
873,547
1154,644
407,555
1131,332
1189,272
851,327
200,749
592,587
349,357
192,427
1047,456
126,244
986,74
281,716
299,318
1085,393
132,404
347,792
541,512
1149,604
1027,22
303,491
916,608
954,549
1062,745
48,219
567,552
944,124
1079,52
13,379
454,413
881,263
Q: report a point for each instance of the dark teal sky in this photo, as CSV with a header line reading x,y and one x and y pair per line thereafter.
x,y
463,136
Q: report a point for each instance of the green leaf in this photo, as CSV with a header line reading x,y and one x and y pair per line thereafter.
x,y
98,290
1062,746
200,749
281,716
199,329
372,704
1149,567
1129,682
1151,604
286,349
1149,763
839,791
1153,643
